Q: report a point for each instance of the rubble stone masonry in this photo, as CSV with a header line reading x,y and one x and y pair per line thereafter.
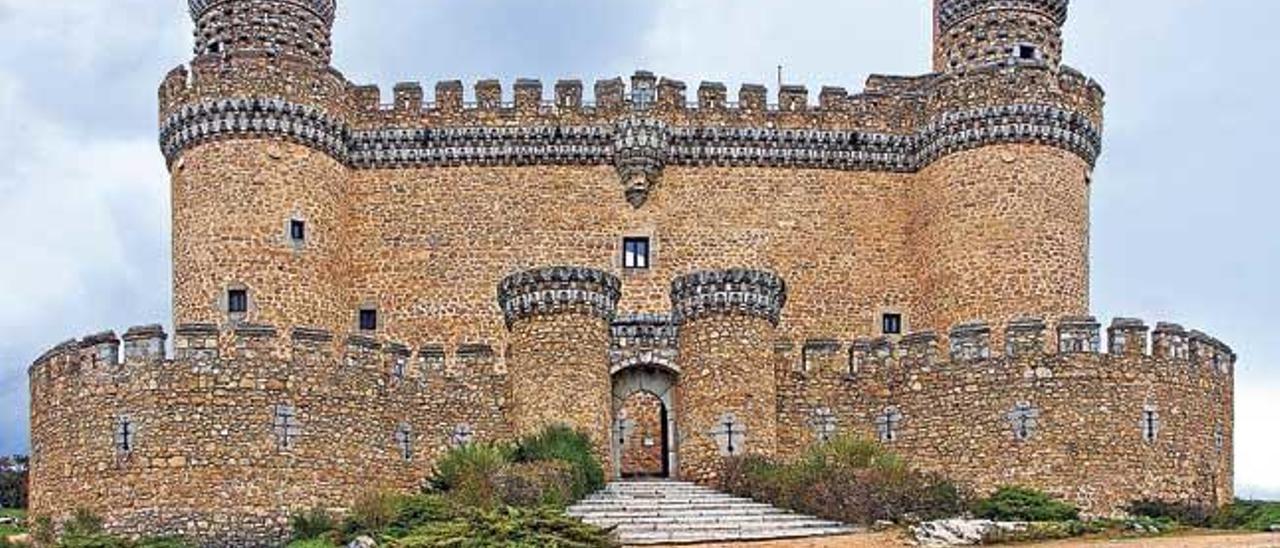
x,y
481,236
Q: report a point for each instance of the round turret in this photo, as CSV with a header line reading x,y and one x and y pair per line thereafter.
x,y
973,33
300,28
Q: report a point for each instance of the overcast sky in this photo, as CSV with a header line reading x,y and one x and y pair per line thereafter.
x,y
1185,226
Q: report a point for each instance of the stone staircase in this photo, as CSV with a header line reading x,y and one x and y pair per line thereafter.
x,y
671,512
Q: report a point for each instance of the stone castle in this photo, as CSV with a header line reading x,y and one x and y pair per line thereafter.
x,y
359,286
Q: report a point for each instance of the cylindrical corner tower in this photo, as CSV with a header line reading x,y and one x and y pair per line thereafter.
x,y
1001,212
972,33
300,28
728,392
255,138
558,358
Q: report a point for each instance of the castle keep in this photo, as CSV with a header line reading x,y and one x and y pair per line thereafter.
x,y
683,274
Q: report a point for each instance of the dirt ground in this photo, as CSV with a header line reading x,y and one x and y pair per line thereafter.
x,y
876,540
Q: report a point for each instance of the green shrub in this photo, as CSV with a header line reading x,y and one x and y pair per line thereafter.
x,y
564,444
541,483
1194,515
418,511
374,511
1144,526
83,523
847,480
506,526
313,543
312,524
43,531
1012,503
467,473
1252,515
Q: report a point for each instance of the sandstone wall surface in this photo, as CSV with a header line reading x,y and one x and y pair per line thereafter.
x,y
207,455
1044,413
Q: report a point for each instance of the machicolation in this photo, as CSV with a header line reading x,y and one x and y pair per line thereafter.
x,y
359,286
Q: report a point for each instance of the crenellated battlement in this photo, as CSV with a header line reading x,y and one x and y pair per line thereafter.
x,y
553,290
1171,352
206,348
898,124
734,291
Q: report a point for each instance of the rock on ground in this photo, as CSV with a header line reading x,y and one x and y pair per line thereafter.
x,y
959,532
362,542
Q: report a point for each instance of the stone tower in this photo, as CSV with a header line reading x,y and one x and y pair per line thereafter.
x,y
297,28
971,33
559,321
728,391
259,185
1005,225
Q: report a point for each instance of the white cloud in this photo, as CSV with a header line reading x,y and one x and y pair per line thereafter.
x,y
84,219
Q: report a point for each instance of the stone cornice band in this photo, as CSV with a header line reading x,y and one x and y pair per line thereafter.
x,y
599,144
734,291
326,9
253,118
954,12
554,290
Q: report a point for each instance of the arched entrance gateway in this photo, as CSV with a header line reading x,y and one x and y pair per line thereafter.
x,y
644,438
644,377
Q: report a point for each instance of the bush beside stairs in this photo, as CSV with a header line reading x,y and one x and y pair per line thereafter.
x,y
663,512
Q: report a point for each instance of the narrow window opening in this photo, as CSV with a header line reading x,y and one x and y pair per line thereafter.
x,y
399,369
368,319
237,301
1027,52
125,435
635,253
404,441
888,423
891,324
1150,424
298,230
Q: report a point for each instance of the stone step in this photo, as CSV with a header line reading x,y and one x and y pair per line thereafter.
x,y
688,537
625,519
678,513
655,512
667,502
663,496
730,526
631,507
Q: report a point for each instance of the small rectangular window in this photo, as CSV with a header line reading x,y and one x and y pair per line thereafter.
x,y
237,301
1027,52
368,319
635,253
891,324
297,230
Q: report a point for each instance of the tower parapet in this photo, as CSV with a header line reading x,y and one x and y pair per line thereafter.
x,y
973,33
558,289
735,291
294,28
